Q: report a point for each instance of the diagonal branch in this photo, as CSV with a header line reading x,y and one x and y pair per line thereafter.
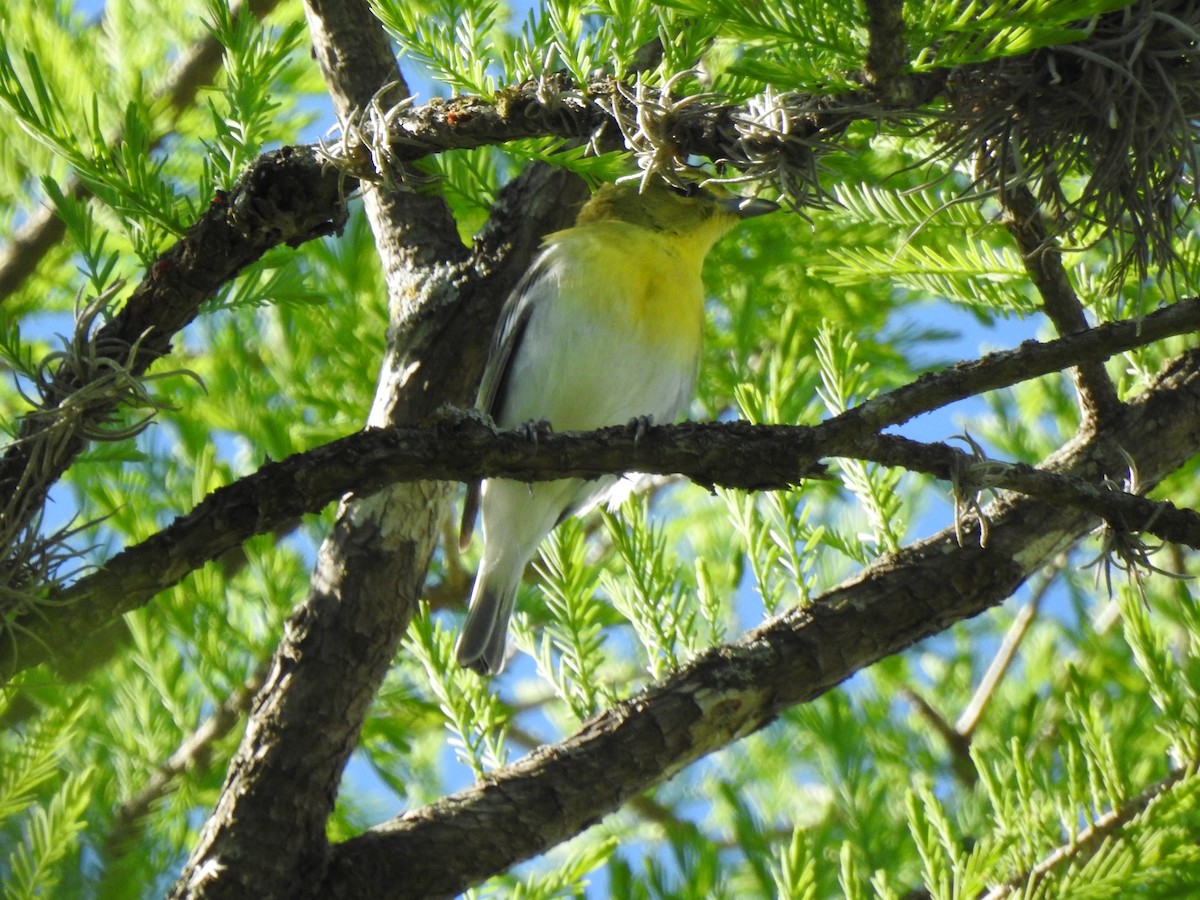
x,y
733,690
193,753
340,640
284,197
267,833
1089,841
969,719
1043,261
1030,360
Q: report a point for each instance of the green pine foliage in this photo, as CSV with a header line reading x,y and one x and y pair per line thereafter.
x,y
1078,776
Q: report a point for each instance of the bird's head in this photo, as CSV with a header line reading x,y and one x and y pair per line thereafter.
x,y
670,209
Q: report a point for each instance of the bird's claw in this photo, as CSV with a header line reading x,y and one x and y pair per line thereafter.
x,y
638,426
535,429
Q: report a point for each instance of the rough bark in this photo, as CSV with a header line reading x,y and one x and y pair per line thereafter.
x,y
266,837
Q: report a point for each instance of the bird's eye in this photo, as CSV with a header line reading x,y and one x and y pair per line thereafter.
x,y
686,190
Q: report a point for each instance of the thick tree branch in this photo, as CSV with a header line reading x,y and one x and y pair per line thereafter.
x,y
738,455
733,690
887,53
341,640
731,454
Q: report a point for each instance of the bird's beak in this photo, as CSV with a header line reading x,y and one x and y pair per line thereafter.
x,y
748,207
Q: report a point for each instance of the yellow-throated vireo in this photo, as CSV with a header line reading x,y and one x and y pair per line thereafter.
x,y
604,328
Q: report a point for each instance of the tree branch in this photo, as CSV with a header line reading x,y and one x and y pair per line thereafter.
x,y
1124,511
1030,360
957,743
887,53
733,690
801,126
730,454
1043,261
340,642
972,714
285,197
1090,839
266,834
192,753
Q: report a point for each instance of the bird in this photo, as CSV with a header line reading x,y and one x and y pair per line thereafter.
x,y
605,328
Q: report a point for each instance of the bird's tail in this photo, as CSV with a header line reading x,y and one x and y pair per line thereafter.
x,y
485,633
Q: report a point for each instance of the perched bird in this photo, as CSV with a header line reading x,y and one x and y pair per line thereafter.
x,y
604,328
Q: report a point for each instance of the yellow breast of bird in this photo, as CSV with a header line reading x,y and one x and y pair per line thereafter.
x,y
643,282
615,333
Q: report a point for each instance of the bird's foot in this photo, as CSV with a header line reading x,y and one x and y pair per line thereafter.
x,y
535,429
638,426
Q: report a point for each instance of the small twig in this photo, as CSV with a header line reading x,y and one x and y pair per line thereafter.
x,y
958,736
193,753
1090,839
1043,261
958,743
972,713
